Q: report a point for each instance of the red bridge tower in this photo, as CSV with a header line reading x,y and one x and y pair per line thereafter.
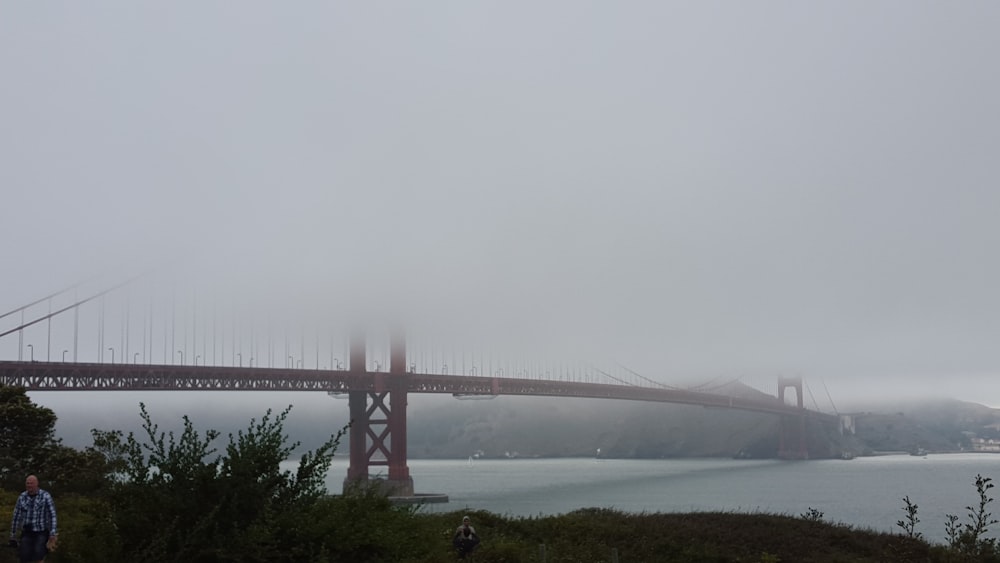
x,y
378,430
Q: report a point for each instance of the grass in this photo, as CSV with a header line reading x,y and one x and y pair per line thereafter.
x,y
590,534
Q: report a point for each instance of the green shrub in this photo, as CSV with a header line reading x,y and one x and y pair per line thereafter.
x,y
909,524
180,500
969,539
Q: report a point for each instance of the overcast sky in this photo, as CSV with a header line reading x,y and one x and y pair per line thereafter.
x,y
694,189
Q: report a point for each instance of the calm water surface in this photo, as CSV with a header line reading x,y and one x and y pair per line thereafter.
x,y
864,492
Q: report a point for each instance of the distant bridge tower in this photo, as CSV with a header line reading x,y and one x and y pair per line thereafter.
x,y
792,427
847,424
378,430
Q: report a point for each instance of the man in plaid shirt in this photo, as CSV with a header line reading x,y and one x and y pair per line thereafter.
x,y
35,513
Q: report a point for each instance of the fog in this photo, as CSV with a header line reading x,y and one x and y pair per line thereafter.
x,y
694,190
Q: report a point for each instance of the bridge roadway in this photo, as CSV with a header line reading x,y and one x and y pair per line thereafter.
x,y
55,376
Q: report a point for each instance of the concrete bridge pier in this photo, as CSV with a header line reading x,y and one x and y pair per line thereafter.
x,y
792,437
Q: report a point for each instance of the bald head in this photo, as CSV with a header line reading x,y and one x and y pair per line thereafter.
x,y
31,485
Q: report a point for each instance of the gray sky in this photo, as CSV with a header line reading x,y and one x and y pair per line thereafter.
x,y
693,189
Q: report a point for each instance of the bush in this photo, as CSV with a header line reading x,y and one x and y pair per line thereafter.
x,y
969,538
178,500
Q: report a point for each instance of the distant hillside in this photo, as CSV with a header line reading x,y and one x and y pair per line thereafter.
x,y
543,427
531,427
934,425
578,427
444,427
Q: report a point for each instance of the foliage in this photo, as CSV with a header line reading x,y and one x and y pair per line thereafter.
x,y
177,499
588,535
363,525
28,446
966,541
953,530
26,430
812,515
909,523
969,538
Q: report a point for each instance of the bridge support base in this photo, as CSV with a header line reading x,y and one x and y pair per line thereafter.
x,y
792,437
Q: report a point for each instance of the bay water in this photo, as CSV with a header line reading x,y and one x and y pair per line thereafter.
x,y
865,492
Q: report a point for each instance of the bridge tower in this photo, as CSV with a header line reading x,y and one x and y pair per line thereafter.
x,y
792,427
378,429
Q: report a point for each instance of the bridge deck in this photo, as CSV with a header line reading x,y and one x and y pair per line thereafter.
x,y
51,376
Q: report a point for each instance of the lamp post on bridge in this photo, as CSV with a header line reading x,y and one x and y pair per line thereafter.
x,y
64,355
239,357
181,354
31,348
135,358
112,354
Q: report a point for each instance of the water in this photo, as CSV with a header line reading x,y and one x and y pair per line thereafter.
x,y
863,492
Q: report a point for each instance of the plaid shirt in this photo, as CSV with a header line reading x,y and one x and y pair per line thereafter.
x,y
35,510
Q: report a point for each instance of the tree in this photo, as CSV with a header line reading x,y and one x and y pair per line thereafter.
x,y
28,446
27,431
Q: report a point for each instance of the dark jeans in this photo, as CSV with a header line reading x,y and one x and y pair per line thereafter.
x,y
465,545
32,546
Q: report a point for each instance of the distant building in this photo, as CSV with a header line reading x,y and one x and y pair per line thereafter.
x,y
985,445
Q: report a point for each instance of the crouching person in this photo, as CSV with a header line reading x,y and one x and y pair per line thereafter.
x,y
465,540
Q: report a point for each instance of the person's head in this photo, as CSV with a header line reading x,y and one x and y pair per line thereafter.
x,y
31,484
466,521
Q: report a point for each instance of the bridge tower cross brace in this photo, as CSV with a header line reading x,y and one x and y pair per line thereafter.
x,y
378,429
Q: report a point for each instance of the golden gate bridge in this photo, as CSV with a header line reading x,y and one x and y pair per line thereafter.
x,y
206,347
